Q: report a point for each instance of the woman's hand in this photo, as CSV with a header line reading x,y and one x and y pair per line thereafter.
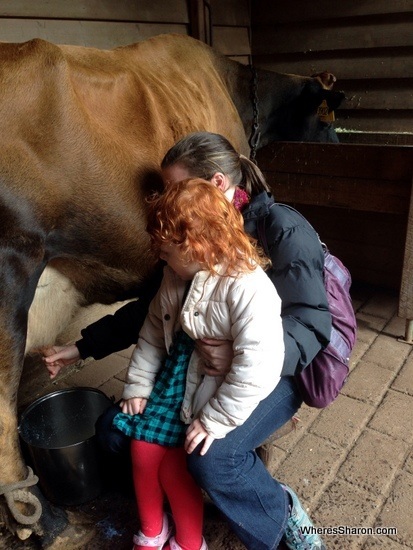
x,y
134,405
57,357
216,354
195,434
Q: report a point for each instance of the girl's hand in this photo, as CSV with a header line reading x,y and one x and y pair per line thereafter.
x,y
134,405
216,354
57,357
195,434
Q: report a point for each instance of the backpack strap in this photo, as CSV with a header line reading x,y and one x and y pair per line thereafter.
x,y
262,233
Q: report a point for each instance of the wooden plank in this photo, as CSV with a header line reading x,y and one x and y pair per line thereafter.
x,y
395,63
374,162
373,263
352,226
393,94
279,11
231,40
161,11
318,38
406,288
390,197
230,13
375,138
370,244
97,34
244,59
369,121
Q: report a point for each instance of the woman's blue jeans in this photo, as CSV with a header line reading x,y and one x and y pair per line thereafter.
x,y
236,480
255,504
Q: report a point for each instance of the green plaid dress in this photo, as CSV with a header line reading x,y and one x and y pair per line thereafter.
x,y
160,422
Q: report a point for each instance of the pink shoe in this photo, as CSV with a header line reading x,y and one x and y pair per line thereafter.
x,y
155,542
175,546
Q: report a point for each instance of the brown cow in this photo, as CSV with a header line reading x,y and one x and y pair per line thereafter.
x,y
82,135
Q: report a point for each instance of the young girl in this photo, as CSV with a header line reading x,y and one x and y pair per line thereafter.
x,y
213,287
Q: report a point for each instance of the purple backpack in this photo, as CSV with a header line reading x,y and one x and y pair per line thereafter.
x,y
321,381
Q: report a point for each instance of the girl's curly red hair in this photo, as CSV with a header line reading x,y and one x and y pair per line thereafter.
x,y
198,217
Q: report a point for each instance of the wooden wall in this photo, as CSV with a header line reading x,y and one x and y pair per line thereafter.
x,y
231,28
111,23
367,44
357,198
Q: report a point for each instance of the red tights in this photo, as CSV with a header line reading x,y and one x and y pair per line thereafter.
x,y
160,471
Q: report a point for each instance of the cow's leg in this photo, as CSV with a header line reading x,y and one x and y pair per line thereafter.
x,y
23,500
24,509
12,467
17,289
15,478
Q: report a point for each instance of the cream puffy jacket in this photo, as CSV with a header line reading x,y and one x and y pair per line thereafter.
x,y
244,309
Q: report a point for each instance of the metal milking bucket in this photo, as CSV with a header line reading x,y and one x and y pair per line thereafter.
x,y
58,430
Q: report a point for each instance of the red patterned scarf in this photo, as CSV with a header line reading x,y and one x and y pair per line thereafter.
x,y
241,198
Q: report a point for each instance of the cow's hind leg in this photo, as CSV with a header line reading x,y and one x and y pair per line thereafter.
x,y
23,509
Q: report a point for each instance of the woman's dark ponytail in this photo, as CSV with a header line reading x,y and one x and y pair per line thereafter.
x,y
253,180
205,153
